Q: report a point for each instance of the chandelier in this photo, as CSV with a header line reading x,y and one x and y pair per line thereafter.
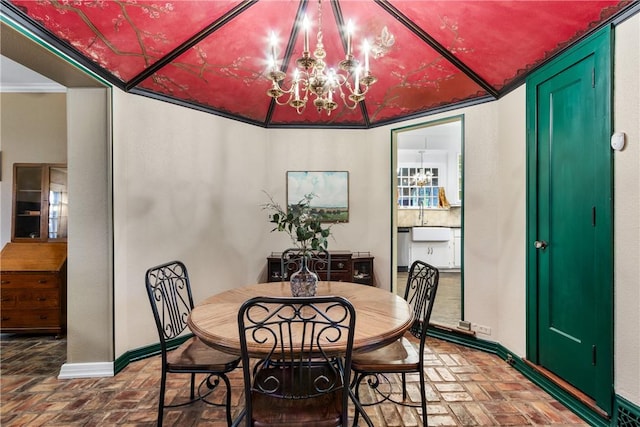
x,y
312,79
422,178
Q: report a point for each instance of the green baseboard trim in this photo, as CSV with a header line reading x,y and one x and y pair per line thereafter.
x,y
145,352
626,414
462,338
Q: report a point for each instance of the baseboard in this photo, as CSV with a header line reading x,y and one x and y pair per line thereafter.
x,y
147,351
86,370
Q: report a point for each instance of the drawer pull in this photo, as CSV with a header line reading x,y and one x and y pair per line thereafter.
x,y
341,265
42,281
43,317
6,318
5,282
41,299
6,299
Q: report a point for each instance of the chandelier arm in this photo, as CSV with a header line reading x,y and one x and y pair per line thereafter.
x,y
282,103
346,102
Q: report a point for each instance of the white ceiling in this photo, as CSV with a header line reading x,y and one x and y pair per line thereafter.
x,y
18,78
431,136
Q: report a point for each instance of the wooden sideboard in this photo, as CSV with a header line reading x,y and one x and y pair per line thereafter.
x,y
346,266
34,288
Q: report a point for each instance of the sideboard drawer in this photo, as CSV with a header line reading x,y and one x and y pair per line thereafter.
x,y
29,280
30,298
30,319
340,265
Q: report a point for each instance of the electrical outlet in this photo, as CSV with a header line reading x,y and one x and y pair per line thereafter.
x,y
484,330
481,329
463,324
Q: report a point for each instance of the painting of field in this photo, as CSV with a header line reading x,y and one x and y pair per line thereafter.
x,y
331,190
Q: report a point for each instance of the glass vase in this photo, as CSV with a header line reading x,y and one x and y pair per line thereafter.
x,y
304,282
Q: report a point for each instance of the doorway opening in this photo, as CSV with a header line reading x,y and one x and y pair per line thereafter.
x,y
427,209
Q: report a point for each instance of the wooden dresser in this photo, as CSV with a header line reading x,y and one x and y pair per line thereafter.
x,y
34,288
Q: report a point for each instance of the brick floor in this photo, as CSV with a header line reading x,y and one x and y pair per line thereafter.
x,y
466,388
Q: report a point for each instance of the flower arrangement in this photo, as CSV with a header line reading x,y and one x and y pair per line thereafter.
x,y
301,222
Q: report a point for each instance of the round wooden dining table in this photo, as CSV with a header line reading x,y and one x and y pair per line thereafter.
x,y
381,316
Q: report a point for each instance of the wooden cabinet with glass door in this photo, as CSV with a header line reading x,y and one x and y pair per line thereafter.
x,y
40,203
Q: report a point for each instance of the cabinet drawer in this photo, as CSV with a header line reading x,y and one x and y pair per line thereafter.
x,y
30,298
337,276
30,318
340,265
36,280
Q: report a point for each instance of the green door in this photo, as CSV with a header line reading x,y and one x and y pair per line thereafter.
x,y
570,223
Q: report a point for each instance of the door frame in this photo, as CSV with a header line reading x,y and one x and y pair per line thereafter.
x,y
599,44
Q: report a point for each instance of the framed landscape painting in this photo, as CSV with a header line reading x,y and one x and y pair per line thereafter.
x,y
331,189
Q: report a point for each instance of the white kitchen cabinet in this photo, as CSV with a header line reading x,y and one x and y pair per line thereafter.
x,y
433,245
437,254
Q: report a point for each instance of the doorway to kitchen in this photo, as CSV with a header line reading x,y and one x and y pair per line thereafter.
x,y
427,209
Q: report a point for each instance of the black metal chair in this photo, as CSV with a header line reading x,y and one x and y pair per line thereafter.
x,y
318,261
171,301
299,382
401,357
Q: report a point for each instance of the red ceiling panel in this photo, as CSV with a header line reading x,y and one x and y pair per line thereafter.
x,y
124,37
412,77
212,53
224,71
500,39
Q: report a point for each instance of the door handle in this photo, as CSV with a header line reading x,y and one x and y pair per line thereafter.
x,y
540,244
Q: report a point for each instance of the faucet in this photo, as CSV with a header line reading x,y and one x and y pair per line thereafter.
x,y
421,215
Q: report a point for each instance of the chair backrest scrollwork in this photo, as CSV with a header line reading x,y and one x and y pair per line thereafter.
x,y
305,349
318,261
169,292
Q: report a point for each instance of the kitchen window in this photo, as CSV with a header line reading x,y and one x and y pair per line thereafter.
x,y
410,194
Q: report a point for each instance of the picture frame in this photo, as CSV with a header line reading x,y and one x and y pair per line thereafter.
x,y
331,190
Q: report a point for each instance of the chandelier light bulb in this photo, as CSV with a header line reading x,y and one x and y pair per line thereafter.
x,y
305,25
349,33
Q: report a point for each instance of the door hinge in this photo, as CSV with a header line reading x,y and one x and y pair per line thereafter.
x,y
593,355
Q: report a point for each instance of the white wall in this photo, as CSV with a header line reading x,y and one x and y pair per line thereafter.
x,y
627,206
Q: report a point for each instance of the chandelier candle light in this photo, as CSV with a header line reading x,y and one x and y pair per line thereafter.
x,y
311,75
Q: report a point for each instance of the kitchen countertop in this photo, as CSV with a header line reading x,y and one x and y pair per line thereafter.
x,y
432,217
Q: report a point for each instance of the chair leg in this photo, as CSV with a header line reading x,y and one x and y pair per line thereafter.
x,y
193,386
239,418
228,403
355,397
404,387
356,384
163,384
423,397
